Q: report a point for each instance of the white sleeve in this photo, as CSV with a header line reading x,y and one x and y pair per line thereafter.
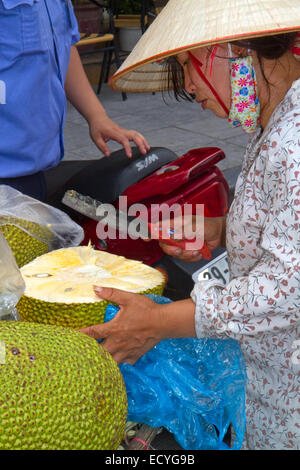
x,y
268,297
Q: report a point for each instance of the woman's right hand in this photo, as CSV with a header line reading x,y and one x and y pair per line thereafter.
x,y
214,236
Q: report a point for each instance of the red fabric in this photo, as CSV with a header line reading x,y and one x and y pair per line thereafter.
x,y
295,49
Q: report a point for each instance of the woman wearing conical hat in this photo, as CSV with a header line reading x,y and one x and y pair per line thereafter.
x,y
236,58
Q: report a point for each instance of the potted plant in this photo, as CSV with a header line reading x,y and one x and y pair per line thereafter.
x,y
129,7
89,16
128,23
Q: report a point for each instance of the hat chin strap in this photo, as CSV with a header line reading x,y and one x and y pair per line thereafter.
x,y
197,64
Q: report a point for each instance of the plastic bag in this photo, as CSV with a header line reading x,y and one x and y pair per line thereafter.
x,y
194,388
64,231
11,282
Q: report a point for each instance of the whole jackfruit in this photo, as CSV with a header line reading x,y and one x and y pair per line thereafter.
x,y
59,285
26,239
59,389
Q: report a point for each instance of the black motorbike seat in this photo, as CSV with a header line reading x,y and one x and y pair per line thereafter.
x,y
107,178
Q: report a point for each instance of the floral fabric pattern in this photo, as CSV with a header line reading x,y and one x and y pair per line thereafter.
x,y
260,307
245,108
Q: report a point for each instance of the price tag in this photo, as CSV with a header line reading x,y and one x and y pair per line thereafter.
x,y
217,269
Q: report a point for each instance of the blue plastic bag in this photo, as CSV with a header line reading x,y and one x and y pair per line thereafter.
x,y
194,388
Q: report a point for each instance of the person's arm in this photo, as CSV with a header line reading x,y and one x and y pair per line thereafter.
x,y
141,323
264,298
82,96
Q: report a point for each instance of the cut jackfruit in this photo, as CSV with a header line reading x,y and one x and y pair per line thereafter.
x,y
59,390
59,285
26,239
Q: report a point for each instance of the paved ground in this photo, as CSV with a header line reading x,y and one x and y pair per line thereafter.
x,y
164,122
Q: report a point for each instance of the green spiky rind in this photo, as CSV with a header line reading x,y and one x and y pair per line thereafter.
x,y
25,247
40,231
156,290
75,315
59,390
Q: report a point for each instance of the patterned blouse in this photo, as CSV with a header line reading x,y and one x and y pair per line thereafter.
x,y
260,307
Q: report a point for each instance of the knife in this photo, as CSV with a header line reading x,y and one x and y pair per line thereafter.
x,y
121,221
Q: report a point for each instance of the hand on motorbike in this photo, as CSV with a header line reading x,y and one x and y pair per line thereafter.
x,y
135,328
104,129
213,233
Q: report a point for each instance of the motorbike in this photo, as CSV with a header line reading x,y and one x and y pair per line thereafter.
x,y
158,179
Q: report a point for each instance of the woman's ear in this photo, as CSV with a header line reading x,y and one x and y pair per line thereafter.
x,y
239,51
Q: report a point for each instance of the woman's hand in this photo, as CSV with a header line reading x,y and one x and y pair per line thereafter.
x,y
135,328
213,232
104,129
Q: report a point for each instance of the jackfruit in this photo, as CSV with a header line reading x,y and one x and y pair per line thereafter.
x,y
59,389
59,285
26,239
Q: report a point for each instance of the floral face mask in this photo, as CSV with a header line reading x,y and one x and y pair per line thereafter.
x,y
245,107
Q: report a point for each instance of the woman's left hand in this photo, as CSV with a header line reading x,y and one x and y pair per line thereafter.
x,y
104,129
135,328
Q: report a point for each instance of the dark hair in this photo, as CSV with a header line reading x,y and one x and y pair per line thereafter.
x,y
267,47
175,80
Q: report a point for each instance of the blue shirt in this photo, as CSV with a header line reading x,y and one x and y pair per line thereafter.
x,y
35,43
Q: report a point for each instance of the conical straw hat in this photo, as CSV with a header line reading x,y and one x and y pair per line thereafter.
x,y
188,24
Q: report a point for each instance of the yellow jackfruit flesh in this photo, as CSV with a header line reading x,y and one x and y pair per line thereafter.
x,y
59,285
26,239
59,389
